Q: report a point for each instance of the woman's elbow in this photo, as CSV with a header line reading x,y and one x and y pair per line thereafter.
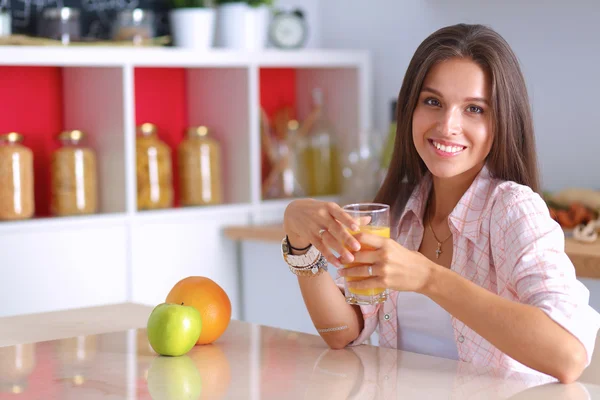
x,y
338,345
574,366
338,342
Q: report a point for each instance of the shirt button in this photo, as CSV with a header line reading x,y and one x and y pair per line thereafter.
x,y
461,338
386,317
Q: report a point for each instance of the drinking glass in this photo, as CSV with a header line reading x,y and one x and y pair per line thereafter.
x,y
371,218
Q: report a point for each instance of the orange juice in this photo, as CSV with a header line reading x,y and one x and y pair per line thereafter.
x,y
383,231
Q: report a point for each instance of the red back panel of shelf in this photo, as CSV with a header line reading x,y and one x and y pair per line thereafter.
x,y
161,98
31,103
277,91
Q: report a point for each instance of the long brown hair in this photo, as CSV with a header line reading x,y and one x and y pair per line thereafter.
x,y
512,156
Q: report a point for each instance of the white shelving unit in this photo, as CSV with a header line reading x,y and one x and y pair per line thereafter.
x,y
122,254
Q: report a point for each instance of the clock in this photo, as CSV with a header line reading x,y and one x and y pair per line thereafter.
x,y
288,29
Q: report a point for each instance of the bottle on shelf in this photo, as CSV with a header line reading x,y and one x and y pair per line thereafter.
x,y
16,178
320,156
282,181
361,164
73,176
154,171
199,157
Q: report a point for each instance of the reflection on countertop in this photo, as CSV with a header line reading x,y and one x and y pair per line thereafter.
x,y
255,362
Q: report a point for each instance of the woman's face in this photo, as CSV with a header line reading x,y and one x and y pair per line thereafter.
x,y
452,126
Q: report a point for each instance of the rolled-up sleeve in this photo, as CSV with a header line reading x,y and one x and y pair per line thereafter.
x,y
537,269
370,316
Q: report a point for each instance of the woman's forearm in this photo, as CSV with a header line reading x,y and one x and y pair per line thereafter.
x,y
327,307
523,332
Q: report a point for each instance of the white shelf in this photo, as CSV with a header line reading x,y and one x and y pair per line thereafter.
x,y
143,253
50,224
173,57
187,213
282,203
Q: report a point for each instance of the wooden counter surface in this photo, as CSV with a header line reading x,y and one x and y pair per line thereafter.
x,y
585,256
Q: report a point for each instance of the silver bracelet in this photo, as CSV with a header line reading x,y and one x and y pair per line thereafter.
x,y
339,328
311,270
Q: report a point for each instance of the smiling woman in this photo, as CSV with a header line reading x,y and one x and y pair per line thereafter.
x,y
475,266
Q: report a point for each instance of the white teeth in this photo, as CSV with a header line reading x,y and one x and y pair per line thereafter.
x,y
447,149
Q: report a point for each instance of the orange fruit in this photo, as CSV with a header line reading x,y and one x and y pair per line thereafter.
x,y
209,299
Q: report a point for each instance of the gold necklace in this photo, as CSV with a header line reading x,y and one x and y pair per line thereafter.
x,y
438,251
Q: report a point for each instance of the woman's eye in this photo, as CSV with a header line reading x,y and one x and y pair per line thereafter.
x,y
475,109
432,102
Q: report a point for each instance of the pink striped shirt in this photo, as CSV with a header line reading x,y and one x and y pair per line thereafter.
x,y
506,242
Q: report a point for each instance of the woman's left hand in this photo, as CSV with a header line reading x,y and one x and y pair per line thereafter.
x,y
392,266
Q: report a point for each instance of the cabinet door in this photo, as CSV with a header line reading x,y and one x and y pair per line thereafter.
x,y
169,248
272,295
62,267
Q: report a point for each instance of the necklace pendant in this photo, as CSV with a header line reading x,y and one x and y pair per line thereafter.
x,y
438,252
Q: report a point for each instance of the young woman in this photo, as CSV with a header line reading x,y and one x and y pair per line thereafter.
x,y
476,266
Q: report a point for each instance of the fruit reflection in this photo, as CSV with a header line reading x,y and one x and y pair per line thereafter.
x,y
16,363
75,356
145,353
214,368
174,378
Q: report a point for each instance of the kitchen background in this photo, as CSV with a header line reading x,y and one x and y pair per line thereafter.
x,y
337,84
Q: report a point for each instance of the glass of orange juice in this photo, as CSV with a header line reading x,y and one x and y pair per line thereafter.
x,y
372,218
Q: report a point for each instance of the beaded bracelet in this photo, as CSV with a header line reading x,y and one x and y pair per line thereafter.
x,y
315,269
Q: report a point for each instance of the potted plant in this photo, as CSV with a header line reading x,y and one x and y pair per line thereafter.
x,y
192,24
243,24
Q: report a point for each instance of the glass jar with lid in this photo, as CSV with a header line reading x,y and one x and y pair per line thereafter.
x,y
199,157
62,23
74,176
134,25
16,178
154,170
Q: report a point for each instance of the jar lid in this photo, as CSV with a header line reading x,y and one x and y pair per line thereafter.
x,y
147,129
62,13
135,14
200,131
293,125
75,135
12,137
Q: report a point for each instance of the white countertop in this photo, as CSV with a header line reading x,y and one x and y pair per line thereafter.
x,y
103,353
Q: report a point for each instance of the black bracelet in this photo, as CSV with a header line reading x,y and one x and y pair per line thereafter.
x,y
295,248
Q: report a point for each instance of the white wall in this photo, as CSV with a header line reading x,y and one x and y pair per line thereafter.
x,y
556,42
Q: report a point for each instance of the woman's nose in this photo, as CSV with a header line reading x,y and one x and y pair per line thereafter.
x,y
451,123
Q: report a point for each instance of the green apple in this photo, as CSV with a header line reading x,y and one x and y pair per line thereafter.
x,y
173,329
174,378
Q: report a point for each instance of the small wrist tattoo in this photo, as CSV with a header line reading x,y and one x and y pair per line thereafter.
x,y
339,328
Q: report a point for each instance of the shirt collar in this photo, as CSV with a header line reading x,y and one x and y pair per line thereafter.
x,y
467,216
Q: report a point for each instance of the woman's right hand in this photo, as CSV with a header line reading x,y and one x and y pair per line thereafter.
x,y
324,225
